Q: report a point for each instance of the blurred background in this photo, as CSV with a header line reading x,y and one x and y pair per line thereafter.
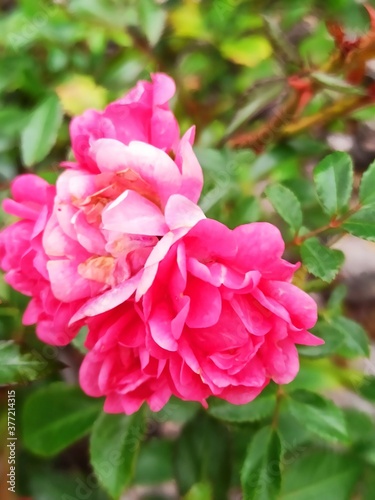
x,y
232,61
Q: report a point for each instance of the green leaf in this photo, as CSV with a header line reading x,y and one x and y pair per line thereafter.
x,y
262,407
342,336
362,223
56,416
40,133
247,50
360,425
336,299
260,474
320,475
80,92
318,414
46,483
79,340
114,446
17,367
355,341
367,186
333,178
320,260
152,20
336,83
286,204
154,464
202,454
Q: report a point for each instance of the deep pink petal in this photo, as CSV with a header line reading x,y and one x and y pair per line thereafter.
x,y
205,304
260,247
301,307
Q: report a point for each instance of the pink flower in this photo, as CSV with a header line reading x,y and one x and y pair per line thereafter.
x,y
119,364
24,261
96,230
110,212
142,115
215,314
175,303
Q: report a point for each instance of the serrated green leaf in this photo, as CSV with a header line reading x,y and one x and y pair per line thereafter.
x,y
260,474
336,83
320,260
202,454
342,337
367,186
320,474
17,367
286,204
333,178
56,416
362,223
262,407
114,445
355,340
40,133
318,414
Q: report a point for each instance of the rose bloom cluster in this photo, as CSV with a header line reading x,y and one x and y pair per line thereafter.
x,y
174,303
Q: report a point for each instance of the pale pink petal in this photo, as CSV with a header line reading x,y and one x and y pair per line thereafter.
x,y
181,212
152,164
107,300
192,175
132,213
67,285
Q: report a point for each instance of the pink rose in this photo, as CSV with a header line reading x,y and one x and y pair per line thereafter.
x,y
120,365
107,219
24,261
97,229
216,314
142,115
